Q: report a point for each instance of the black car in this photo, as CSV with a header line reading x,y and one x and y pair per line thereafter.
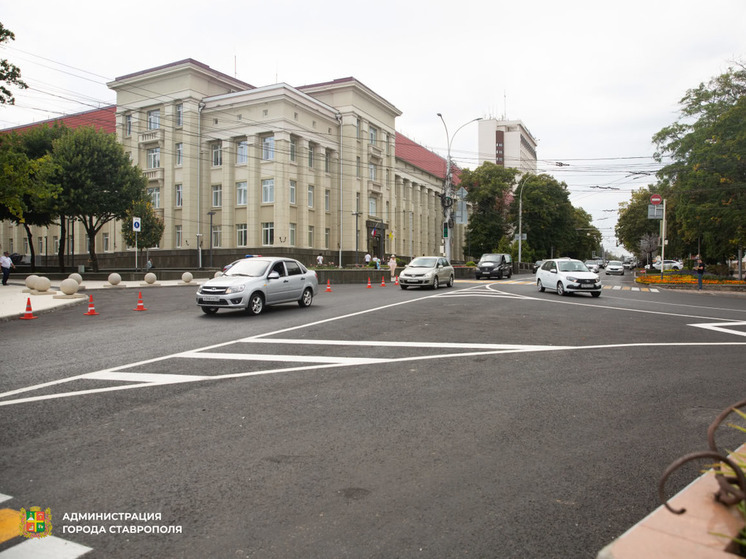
x,y
536,265
494,266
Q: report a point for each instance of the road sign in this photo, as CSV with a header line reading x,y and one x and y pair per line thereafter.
x,y
656,199
136,224
522,237
655,212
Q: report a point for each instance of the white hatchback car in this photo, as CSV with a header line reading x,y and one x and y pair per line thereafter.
x,y
565,275
615,267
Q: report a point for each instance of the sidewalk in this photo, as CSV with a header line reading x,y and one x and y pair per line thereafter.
x,y
14,296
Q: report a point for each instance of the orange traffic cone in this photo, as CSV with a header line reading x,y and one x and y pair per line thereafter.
x,y
369,285
91,308
328,286
383,281
29,315
396,280
140,306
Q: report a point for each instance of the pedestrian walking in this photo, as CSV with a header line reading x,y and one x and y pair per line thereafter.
x,y
392,266
367,258
700,269
6,264
320,260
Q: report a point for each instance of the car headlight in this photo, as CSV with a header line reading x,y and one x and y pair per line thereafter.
x,y
572,279
235,289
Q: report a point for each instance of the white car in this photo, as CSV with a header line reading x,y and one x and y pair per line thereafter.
x,y
427,271
615,267
565,275
669,265
592,265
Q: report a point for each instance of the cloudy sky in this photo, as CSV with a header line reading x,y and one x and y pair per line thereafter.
x,y
592,80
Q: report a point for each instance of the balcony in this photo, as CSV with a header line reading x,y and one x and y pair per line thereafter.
x,y
153,174
151,136
374,186
374,151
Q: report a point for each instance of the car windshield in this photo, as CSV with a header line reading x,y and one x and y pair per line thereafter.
x,y
249,267
424,262
571,266
494,258
615,263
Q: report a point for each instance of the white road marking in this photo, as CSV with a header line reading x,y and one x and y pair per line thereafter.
x,y
49,547
721,327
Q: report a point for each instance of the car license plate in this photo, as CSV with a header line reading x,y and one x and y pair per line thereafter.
x,y
210,299
584,286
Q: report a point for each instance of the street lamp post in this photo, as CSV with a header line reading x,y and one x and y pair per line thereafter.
x,y
357,235
446,199
211,214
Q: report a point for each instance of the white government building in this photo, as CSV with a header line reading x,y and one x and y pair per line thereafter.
x,y
277,169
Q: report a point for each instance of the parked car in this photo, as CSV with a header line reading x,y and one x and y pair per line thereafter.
x,y
592,265
566,275
253,283
494,266
427,271
669,265
615,267
536,265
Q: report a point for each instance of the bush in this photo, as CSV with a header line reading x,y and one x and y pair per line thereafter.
x,y
719,270
470,263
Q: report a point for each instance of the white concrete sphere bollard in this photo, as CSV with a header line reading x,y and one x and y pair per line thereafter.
x,y
187,277
114,279
42,284
150,278
218,274
69,286
30,280
75,276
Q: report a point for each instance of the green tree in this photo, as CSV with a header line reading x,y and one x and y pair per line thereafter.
x,y
633,223
151,226
707,174
489,191
99,183
10,74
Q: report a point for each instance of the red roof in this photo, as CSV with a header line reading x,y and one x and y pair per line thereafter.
x,y
103,119
422,158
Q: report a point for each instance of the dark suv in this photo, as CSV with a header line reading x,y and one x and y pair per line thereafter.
x,y
494,266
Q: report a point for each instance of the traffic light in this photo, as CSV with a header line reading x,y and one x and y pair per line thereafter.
x,y
445,230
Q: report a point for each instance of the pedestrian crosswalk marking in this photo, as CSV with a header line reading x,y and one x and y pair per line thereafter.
x,y
35,548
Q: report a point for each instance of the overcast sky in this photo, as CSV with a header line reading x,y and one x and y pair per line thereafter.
x,y
592,80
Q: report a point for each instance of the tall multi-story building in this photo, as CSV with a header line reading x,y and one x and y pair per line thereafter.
x,y
236,169
507,143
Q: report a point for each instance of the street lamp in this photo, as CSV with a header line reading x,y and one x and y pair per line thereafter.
x,y
211,214
446,199
357,235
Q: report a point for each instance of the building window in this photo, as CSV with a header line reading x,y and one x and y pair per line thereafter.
x,y
357,201
242,193
372,134
327,199
128,125
154,158
155,196
327,161
310,236
179,115
327,237
372,170
177,235
372,206
310,196
242,152
216,235
104,238
268,233
242,235
179,154
268,191
217,154
293,149
154,119
357,167
217,195
310,155
55,244
178,195
268,148
292,234
293,188
388,144
357,128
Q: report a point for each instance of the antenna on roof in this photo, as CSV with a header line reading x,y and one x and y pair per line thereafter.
x,y
235,67
505,104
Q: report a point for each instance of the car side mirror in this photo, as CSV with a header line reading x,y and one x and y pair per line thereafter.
x,y
273,275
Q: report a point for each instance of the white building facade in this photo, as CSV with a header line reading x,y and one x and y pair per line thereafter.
x,y
507,143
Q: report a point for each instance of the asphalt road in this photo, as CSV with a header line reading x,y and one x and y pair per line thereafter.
x,y
486,420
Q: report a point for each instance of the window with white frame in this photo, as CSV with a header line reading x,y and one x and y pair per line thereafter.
x,y
104,239
372,134
327,200
217,154
327,161
293,149
154,158
310,236
292,231
268,148
154,119
217,195
155,196
268,233
55,244
179,154
217,235
310,155
372,206
327,237
179,115
242,234
177,236
128,125
357,167
372,171
242,152
293,188
242,193
178,195
268,191
310,196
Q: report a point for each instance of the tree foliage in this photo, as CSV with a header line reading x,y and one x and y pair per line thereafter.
x,y
99,183
151,226
10,74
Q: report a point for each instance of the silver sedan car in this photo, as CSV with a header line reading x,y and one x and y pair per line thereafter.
x,y
427,271
254,283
